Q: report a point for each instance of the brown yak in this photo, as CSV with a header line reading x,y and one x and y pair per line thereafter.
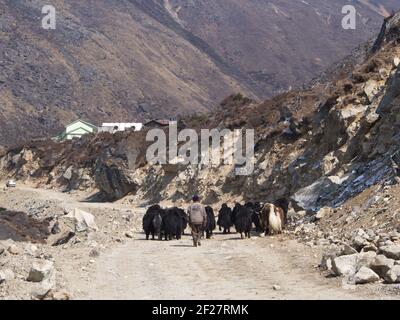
x,y
272,219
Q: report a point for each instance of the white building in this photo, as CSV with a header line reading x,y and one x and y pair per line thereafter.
x,y
115,127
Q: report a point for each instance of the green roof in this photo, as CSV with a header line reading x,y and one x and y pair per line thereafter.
x,y
64,133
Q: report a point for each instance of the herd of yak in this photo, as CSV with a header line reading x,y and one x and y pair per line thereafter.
x,y
170,223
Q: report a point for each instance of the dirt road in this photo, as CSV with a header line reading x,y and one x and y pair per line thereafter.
x,y
223,268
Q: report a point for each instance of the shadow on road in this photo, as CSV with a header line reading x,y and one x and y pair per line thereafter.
x,y
98,197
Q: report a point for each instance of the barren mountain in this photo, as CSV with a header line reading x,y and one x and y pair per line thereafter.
x,y
282,43
107,60
119,60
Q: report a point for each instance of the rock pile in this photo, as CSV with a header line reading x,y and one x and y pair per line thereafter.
x,y
368,257
42,249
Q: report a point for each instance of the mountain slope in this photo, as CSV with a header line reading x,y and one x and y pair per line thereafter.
x,y
131,60
106,60
281,43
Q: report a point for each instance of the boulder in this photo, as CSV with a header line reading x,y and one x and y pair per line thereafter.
x,y
365,275
395,236
365,259
361,233
80,221
308,198
347,250
6,275
332,253
323,212
381,265
68,173
114,179
32,249
393,275
371,89
58,296
384,243
359,242
41,270
129,235
371,117
345,265
349,113
292,215
392,92
329,163
13,249
348,265
391,251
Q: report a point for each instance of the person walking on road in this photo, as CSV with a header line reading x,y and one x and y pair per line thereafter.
x,y
197,220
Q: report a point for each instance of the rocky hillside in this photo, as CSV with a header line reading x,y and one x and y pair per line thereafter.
x,y
136,59
320,146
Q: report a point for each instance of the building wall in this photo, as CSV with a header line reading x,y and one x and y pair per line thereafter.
x,y
76,133
109,127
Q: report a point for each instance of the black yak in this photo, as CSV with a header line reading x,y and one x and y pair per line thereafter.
x,y
284,205
224,219
185,220
255,209
242,220
234,211
152,221
210,225
172,224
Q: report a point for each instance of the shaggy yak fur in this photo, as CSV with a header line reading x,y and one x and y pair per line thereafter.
x,y
272,219
242,220
224,219
210,225
152,222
